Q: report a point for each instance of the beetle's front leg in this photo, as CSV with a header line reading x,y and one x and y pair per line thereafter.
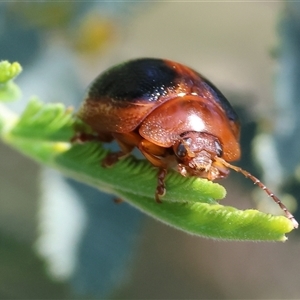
x,y
155,154
160,188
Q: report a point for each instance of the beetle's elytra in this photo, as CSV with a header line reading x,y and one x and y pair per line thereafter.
x,y
172,114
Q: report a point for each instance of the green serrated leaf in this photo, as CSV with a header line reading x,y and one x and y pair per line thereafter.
x,y
189,204
7,119
196,212
52,122
216,221
9,70
9,91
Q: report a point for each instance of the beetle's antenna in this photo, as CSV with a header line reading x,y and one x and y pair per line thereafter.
x,y
262,186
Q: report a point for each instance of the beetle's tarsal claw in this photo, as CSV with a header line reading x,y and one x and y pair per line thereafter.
x,y
112,158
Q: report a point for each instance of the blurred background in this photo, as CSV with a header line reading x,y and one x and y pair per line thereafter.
x,y
62,240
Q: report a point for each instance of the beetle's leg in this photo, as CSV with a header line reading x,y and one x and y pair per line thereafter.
x,y
118,200
161,187
152,149
113,157
126,141
155,154
162,172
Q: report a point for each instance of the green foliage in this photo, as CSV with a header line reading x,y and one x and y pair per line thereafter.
x,y
9,71
31,125
43,132
9,91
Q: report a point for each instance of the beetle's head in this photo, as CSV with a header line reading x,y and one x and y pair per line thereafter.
x,y
200,154
196,153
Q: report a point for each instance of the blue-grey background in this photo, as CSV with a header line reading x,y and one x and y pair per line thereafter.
x,y
62,240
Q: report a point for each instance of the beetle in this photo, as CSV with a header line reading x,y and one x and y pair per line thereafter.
x,y
175,116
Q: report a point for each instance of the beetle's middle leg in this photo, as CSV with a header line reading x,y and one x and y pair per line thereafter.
x,y
126,142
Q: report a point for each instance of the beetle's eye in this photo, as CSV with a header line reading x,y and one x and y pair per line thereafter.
x,y
181,150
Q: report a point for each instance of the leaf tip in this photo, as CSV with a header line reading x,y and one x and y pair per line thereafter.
x,y
9,70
